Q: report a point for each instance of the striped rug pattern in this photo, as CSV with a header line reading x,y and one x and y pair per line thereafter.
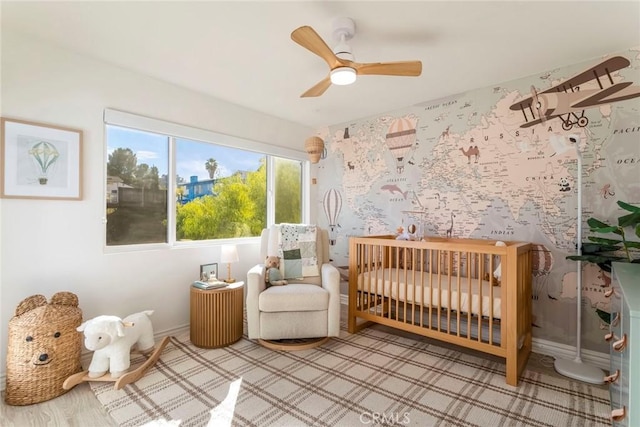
x,y
371,378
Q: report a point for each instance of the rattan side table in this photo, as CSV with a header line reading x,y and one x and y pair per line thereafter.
x,y
216,315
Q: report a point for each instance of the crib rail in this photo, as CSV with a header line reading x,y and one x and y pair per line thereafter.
x,y
442,288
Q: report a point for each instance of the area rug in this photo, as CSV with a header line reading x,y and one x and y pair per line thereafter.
x,y
371,378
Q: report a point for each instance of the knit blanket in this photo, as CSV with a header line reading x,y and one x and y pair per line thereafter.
x,y
297,250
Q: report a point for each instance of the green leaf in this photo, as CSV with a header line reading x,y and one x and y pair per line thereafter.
x,y
596,223
632,245
590,248
638,230
606,317
610,229
596,259
605,241
629,220
605,248
605,266
628,207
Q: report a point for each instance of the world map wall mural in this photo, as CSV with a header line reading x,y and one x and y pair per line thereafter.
x,y
473,166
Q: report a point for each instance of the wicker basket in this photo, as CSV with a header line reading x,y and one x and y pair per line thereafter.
x,y
43,348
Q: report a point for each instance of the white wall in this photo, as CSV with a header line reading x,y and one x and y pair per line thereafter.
x,y
49,246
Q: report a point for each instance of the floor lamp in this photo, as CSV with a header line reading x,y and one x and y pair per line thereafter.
x,y
576,368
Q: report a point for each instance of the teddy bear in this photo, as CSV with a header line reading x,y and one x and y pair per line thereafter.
x,y
494,280
273,275
111,338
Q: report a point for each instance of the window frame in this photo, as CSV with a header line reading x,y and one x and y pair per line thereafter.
x,y
112,117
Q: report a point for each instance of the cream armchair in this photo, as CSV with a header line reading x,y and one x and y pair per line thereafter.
x,y
305,308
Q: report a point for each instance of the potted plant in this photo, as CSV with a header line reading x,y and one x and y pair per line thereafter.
x,y
603,251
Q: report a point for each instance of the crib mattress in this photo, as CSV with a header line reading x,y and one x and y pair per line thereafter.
x,y
466,294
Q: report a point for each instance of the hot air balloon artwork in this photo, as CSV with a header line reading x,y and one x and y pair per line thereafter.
x,y
40,161
44,156
400,139
542,262
332,203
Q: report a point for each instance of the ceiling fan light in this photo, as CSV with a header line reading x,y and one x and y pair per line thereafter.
x,y
343,76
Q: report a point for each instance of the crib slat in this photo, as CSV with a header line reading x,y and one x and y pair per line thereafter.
x,y
449,288
480,312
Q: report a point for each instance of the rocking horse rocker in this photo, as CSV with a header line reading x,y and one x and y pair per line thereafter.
x,y
112,339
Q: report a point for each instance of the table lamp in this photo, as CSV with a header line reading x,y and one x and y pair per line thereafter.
x,y
228,255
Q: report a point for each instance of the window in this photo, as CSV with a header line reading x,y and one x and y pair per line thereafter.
x,y
163,187
137,168
288,190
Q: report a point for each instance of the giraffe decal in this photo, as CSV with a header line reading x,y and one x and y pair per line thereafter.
x,y
450,229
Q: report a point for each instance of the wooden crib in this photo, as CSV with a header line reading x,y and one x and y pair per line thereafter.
x,y
439,288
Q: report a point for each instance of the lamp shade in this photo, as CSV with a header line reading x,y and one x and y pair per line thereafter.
x,y
314,146
229,254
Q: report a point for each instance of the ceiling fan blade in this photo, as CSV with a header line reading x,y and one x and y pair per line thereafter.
x,y
307,37
318,89
401,68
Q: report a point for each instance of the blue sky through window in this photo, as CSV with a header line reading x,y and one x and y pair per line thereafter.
x,y
191,156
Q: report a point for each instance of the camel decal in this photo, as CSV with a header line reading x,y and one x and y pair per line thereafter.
x,y
471,151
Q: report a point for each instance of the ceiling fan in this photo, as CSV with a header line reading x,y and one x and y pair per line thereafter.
x,y
342,67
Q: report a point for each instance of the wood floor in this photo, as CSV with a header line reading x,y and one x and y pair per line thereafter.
x,y
76,408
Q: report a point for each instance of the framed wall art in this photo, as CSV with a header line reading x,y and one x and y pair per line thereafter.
x,y
39,161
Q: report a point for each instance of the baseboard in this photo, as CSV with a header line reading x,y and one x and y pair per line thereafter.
x,y
85,356
563,351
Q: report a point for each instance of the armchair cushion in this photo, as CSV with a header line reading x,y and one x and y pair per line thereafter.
x,y
295,297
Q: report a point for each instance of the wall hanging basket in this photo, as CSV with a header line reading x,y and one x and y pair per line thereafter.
x,y
314,146
43,348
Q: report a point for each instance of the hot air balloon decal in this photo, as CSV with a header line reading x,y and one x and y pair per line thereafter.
x,y
332,203
542,262
400,139
44,156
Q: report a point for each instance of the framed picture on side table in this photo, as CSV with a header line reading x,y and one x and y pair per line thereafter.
x,y
208,272
39,161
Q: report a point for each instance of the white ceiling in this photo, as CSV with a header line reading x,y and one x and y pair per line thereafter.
x,y
241,52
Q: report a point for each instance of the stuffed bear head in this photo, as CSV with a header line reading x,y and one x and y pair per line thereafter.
x,y
272,262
